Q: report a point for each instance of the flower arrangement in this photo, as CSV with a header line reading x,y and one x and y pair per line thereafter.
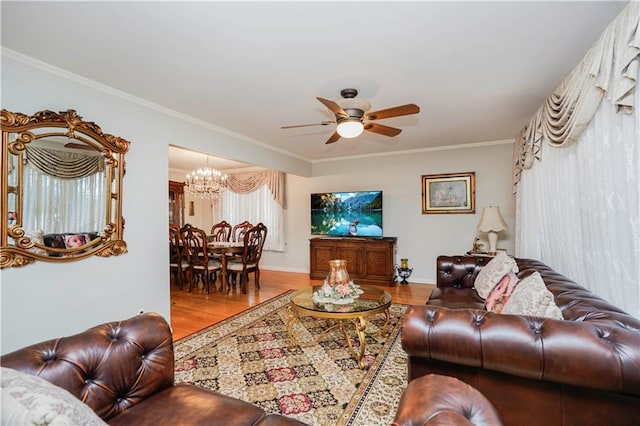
x,y
339,294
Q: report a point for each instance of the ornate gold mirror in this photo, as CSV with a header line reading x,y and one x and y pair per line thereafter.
x,y
61,189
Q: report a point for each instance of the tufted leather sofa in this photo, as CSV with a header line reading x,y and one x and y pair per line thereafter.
x,y
124,371
435,400
583,370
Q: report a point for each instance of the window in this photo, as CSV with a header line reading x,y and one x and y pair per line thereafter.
x,y
257,206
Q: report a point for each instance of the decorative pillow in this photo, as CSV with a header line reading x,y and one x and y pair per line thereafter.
x,y
76,240
499,295
531,297
31,400
493,272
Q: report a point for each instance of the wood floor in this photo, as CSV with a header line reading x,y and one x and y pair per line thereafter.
x,y
193,311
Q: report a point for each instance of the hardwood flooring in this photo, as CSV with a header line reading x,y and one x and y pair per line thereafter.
x,y
193,311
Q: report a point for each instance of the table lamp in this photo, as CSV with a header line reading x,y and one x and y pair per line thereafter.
x,y
492,222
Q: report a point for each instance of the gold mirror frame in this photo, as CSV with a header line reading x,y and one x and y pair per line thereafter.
x,y
16,247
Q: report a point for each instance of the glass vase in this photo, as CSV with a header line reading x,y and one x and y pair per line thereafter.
x,y
338,272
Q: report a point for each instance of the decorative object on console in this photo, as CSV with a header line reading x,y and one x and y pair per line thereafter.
x,y
404,271
477,246
338,287
492,222
449,193
206,182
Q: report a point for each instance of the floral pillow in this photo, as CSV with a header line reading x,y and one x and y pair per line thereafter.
x,y
531,297
499,295
493,272
31,400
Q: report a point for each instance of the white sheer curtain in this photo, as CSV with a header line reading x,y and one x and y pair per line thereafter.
x,y
578,209
257,206
58,205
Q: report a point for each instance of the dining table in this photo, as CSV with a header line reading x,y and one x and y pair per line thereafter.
x,y
224,249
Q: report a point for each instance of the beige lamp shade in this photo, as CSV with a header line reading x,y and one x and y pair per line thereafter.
x,y
492,222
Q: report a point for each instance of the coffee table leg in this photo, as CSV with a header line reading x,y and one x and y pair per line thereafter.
x,y
360,327
292,317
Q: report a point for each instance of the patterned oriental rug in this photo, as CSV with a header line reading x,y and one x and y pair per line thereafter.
x,y
248,356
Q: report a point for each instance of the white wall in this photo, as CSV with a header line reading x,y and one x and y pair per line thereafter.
x,y
47,300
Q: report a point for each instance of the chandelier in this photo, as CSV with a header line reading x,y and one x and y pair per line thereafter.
x,y
206,182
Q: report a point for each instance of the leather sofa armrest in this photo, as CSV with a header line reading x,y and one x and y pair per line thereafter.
x,y
109,367
576,353
459,271
441,400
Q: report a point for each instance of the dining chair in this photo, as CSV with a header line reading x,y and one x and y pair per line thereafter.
x,y
238,231
179,265
221,231
254,240
203,266
237,235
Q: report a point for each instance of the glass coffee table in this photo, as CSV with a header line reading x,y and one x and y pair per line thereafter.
x,y
373,301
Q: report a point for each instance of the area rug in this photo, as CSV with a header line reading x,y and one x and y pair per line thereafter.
x,y
249,357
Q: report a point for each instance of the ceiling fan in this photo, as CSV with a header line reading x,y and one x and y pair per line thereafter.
x,y
350,115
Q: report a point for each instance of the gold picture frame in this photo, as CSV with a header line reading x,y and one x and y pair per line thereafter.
x,y
449,193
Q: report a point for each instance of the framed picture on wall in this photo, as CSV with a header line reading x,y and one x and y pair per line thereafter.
x,y
449,193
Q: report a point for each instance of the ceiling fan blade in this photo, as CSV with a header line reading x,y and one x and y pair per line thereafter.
x,y
333,138
334,107
324,123
383,130
407,109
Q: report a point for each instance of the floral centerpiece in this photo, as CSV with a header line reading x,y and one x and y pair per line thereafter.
x,y
338,287
339,294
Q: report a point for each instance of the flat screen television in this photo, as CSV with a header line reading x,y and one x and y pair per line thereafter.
x,y
347,214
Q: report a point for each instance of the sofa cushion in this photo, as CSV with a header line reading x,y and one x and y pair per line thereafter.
x,y
493,272
531,297
29,399
187,404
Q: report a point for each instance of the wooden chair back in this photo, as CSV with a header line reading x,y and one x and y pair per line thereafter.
x,y
221,231
177,254
250,260
254,240
238,231
195,241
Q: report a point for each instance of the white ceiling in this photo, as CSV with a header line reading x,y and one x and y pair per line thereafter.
x,y
478,70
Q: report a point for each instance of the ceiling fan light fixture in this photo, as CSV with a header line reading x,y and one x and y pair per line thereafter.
x,y
350,128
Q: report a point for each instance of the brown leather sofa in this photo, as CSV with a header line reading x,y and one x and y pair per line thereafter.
x,y
435,400
583,370
124,371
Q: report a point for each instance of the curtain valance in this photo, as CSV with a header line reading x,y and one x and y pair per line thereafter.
x,y
245,182
608,69
63,164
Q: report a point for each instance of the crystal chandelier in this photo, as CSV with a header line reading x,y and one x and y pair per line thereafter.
x,y
206,182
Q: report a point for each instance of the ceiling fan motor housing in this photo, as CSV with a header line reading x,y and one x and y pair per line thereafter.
x,y
349,93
